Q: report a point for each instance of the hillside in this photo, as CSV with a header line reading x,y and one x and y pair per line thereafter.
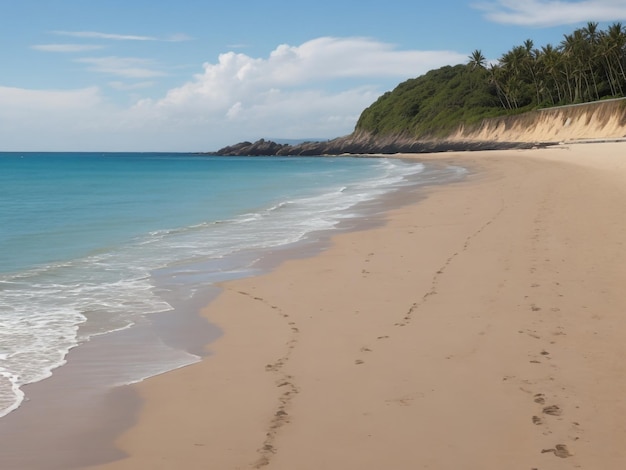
x,y
432,105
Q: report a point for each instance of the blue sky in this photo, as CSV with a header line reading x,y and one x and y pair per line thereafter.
x,y
195,75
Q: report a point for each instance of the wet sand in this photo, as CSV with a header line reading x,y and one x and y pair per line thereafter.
x,y
478,328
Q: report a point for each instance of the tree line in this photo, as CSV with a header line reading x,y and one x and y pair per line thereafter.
x,y
587,65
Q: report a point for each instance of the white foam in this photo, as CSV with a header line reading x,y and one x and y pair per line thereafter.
x,y
10,401
46,311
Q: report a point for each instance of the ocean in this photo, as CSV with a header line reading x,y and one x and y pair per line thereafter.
x,y
94,243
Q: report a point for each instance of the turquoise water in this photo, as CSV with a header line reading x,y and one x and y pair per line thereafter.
x,y
91,243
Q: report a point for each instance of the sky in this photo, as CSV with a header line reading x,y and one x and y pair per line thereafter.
x,y
197,75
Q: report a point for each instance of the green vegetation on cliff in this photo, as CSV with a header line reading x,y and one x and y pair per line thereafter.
x,y
588,65
432,104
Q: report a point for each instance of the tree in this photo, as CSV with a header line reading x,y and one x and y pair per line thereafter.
x,y
550,59
606,50
477,60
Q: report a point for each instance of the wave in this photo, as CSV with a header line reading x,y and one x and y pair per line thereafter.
x,y
47,310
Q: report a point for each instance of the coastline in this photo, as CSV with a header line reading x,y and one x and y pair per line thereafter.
x,y
85,399
477,328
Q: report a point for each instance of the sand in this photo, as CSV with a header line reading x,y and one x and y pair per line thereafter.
x,y
479,328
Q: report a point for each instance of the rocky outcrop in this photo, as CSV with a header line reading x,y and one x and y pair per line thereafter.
x,y
258,148
362,143
599,120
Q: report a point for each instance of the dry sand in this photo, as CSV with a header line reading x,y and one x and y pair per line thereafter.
x,y
480,328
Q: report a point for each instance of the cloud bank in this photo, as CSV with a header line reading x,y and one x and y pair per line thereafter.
x,y
316,89
543,13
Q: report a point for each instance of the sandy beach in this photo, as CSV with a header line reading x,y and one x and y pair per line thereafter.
x,y
481,327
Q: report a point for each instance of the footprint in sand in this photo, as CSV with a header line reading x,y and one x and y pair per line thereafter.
x,y
560,450
552,410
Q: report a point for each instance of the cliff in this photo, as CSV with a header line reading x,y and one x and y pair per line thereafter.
x,y
597,120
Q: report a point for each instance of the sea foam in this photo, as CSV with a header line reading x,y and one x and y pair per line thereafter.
x,y
210,222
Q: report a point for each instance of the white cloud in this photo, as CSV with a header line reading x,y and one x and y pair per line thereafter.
x,y
295,91
130,67
123,86
21,99
48,120
329,57
66,47
98,35
176,37
318,88
238,76
552,12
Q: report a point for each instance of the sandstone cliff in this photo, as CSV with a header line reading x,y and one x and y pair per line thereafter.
x,y
598,120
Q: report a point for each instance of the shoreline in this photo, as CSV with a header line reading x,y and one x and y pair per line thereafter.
x,y
389,348
79,393
489,344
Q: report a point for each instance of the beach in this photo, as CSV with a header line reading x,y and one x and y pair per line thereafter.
x,y
480,327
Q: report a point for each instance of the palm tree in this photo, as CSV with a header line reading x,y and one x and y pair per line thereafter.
x,y
477,60
495,79
592,39
588,64
617,41
551,61
530,63
572,47
517,65
476,64
611,69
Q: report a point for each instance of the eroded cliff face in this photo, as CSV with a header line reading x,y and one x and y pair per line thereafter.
x,y
599,120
